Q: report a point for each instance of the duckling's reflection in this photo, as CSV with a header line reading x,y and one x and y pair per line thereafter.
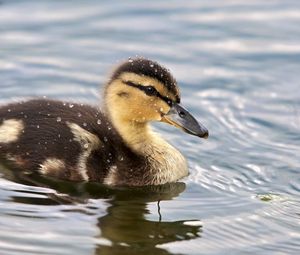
x,y
125,224
126,227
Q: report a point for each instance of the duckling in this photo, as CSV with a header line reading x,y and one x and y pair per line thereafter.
x,y
113,146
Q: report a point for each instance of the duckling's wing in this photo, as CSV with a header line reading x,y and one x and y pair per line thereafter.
x,y
56,138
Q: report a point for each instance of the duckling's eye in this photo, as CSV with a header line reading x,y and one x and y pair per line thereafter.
x,y
150,91
169,102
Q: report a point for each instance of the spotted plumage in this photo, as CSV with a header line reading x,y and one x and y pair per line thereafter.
x,y
114,145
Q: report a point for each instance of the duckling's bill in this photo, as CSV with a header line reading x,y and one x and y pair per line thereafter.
x,y
181,118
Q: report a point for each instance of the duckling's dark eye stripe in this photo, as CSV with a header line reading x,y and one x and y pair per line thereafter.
x,y
153,93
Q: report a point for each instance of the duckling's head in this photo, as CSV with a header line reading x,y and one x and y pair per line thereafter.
x,y
140,91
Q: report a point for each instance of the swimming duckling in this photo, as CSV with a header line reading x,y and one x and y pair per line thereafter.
x,y
114,146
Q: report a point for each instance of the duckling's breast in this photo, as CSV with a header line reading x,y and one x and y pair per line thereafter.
x,y
167,163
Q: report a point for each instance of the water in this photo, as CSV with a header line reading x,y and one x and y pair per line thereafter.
x,y
237,63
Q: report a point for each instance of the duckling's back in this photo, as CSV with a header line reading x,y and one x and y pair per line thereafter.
x,y
69,141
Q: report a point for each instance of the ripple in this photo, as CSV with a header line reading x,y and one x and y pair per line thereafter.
x,y
237,233
229,16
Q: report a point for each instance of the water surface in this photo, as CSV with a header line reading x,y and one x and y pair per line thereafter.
x,y
237,63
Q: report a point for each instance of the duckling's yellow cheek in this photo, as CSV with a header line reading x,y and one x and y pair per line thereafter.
x,y
154,115
155,112
160,107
